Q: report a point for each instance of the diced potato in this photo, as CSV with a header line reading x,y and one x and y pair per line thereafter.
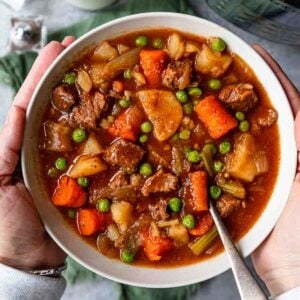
x,y
84,80
176,46
86,165
139,78
212,63
112,232
121,213
105,52
92,146
241,163
122,48
95,72
163,110
191,47
179,234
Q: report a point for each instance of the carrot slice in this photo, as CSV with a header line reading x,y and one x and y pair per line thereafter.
x,y
204,224
216,118
69,193
198,186
127,124
88,221
156,247
153,63
118,86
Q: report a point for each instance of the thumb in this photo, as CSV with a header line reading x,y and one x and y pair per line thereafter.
x,y
11,137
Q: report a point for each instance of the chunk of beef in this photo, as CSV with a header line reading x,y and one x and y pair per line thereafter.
x,y
227,204
160,182
118,180
239,97
88,111
178,74
137,181
269,118
57,137
159,210
63,98
124,154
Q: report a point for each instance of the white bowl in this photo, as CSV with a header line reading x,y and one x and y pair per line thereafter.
x,y
88,256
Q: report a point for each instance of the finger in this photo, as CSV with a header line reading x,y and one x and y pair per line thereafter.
x,y
291,91
43,61
11,140
67,41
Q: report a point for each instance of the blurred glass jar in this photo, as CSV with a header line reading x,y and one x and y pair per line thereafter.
x,y
275,20
91,4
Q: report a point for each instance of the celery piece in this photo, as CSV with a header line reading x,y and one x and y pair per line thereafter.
x,y
207,158
202,243
233,188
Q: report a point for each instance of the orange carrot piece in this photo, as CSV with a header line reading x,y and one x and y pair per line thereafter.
x,y
198,186
118,86
127,124
204,224
156,247
153,63
216,118
69,193
88,221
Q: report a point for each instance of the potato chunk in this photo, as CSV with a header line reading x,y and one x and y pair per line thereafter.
x,y
84,81
105,51
92,146
246,162
212,63
121,213
179,234
163,110
86,165
176,46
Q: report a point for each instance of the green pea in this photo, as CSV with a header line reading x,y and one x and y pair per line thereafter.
x,y
79,135
127,256
103,205
143,138
193,156
141,41
184,134
195,92
175,204
225,147
61,163
211,147
182,96
189,221
146,127
158,43
217,44
70,78
146,169
110,119
196,102
175,137
124,103
83,181
244,126
72,213
127,74
218,166
215,192
52,172
188,108
214,84
240,116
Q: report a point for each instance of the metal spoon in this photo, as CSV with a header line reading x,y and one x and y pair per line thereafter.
x,y
246,283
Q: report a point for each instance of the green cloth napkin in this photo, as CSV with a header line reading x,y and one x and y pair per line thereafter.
x,y
13,70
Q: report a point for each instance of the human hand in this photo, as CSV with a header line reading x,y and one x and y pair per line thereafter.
x,y
24,243
277,260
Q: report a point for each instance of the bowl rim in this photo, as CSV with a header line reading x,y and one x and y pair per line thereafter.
x,y
225,263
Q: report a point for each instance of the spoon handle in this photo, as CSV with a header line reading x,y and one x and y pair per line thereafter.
x,y
247,285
